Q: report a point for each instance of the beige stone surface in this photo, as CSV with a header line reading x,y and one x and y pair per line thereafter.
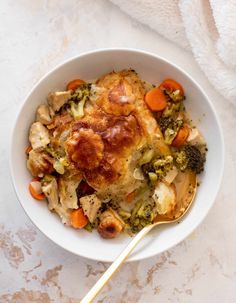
x,y
35,36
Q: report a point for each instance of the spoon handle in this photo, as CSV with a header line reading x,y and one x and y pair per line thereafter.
x,y
115,265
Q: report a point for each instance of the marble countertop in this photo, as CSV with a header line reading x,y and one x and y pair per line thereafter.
x,y
36,36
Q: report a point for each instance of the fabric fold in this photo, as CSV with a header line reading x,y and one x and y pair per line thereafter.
x,y
206,28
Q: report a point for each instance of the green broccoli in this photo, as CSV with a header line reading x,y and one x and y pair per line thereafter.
x,y
169,128
190,157
142,214
181,160
172,109
158,168
176,95
77,110
165,122
78,99
46,179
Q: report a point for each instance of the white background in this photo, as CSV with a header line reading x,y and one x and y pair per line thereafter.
x,y
35,36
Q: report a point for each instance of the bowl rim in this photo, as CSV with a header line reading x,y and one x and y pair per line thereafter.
x,y
135,51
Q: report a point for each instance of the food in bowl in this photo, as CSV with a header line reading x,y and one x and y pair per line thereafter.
x,y
115,153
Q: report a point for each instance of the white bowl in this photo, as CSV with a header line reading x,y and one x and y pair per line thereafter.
x,y
152,69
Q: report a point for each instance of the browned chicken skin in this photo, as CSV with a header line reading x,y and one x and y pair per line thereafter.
x,y
102,142
85,148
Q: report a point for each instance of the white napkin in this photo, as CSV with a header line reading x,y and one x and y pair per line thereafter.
x,y
207,28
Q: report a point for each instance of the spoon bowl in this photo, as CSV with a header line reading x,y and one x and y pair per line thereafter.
x,y
188,184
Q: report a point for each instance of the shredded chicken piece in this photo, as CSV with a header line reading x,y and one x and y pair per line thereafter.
x,y
64,213
67,192
51,192
43,114
57,99
90,205
38,136
39,163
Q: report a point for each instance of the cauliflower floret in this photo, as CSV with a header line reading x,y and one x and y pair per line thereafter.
x,y
165,198
38,136
44,115
67,192
39,163
57,99
90,205
50,190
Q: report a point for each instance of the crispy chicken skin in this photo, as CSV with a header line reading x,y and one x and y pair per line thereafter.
x,y
120,92
85,149
102,143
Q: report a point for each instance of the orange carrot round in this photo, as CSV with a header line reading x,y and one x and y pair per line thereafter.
x,y
36,194
171,85
74,84
156,99
181,136
78,218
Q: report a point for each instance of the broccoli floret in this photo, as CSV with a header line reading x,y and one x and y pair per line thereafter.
x,y
172,109
143,214
56,154
158,167
78,100
82,92
125,215
165,122
170,128
169,135
190,157
181,160
77,110
47,179
196,159
176,95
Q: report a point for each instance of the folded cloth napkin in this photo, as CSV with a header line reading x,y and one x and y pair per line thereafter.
x,y
206,27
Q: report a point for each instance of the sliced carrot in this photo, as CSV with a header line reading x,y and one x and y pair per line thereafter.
x,y
34,193
28,149
130,197
171,85
78,218
156,99
74,84
181,136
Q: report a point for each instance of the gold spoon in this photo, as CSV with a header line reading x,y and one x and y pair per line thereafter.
x,y
187,184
